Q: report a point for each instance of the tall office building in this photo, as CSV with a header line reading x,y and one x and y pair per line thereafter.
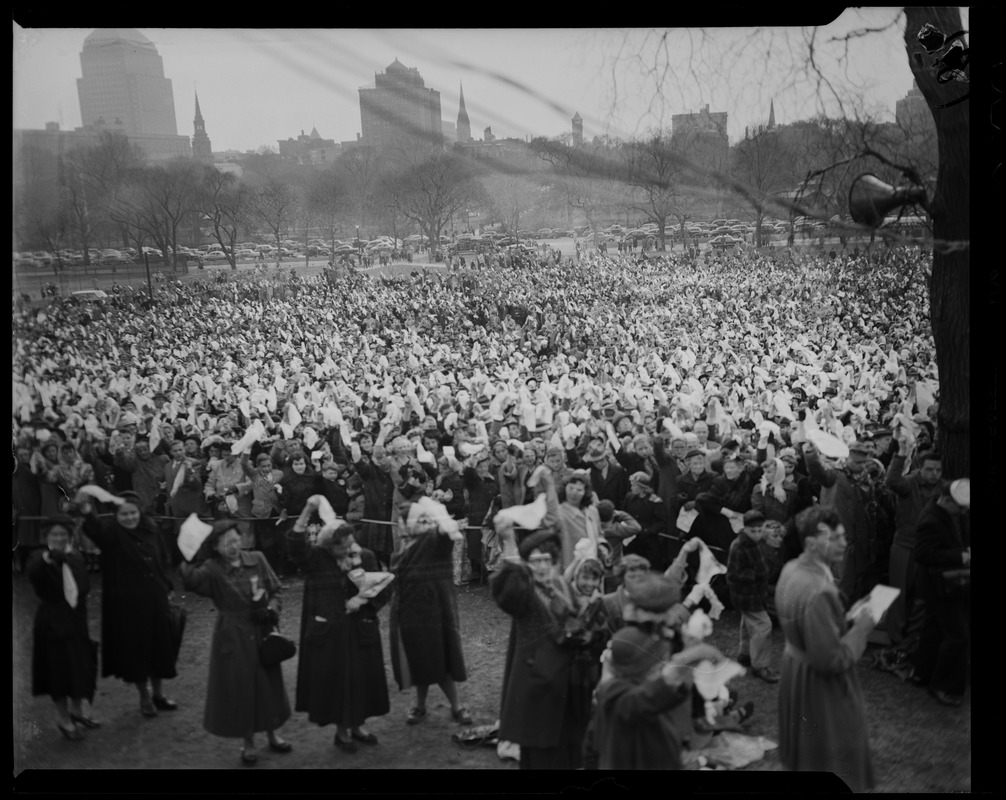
x,y
123,84
201,150
464,126
399,111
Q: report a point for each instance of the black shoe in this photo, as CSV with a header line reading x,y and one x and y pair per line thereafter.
x,y
249,759
87,722
279,746
163,703
946,699
346,747
364,738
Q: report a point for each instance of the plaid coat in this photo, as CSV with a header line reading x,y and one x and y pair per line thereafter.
x,y
747,574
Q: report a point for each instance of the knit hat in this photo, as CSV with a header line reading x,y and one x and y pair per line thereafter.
x,y
546,540
635,653
654,592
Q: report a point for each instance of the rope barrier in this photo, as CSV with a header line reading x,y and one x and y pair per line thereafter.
x,y
160,517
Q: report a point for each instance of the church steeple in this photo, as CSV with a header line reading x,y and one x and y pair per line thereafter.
x,y
771,114
464,126
201,150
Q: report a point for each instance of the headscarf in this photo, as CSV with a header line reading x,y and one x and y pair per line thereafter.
x,y
777,481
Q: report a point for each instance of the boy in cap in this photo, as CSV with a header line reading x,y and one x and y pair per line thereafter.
x,y
648,510
631,729
747,578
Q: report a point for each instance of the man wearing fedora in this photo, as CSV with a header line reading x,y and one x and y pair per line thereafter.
x,y
943,553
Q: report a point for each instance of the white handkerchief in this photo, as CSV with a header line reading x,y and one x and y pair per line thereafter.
x,y
100,494
686,519
710,678
191,535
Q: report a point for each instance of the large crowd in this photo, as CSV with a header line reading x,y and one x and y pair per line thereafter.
x,y
643,418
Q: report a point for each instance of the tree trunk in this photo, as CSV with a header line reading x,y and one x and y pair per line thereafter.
x,y
950,283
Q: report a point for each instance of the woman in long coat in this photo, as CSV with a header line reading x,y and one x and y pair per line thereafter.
x,y
537,711
136,641
63,663
242,696
425,634
340,673
378,489
26,500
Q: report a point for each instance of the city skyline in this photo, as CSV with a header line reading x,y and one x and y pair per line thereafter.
x,y
521,83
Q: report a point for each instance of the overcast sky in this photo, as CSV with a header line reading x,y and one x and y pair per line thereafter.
x,y
258,86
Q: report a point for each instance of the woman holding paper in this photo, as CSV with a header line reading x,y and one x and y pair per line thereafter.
x,y
63,655
242,696
340,672
136,642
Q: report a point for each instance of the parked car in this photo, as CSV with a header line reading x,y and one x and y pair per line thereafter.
x,y
245,254
215,255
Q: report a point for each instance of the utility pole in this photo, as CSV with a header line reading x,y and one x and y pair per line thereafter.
x,y
150,288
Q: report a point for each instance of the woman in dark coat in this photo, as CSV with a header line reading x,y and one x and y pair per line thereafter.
x,y
425,634
63,663
136,641
242,696
537,710
26,499
340,673
378,489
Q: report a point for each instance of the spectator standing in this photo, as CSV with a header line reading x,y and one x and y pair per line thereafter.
x,y
747,579
944,543
822,712
915,491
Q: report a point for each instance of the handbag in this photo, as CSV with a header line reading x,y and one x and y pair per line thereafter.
x,y
275,649
954,584
177,616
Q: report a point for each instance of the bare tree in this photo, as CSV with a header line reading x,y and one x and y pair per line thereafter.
x,y
275,206
430,192
329,198
761,162
510,197
362,168
226,204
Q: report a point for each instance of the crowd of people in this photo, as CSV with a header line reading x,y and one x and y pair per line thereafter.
x,y
639,416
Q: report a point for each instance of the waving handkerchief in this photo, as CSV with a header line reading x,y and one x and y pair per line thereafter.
x,y
99,494
191,535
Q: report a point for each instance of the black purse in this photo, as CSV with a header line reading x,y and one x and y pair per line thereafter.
x,y
954,584
275,649
177,617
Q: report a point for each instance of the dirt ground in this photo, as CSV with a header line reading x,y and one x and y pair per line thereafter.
x,y
918,746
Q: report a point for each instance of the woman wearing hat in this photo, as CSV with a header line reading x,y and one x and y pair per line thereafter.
x,y
45,465
243,697
425,633
63,656
136,641
537,710
340,672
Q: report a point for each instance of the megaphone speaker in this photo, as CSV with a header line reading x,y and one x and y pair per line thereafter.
x,y
871,200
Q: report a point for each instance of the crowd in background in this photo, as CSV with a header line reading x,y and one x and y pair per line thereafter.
x,y
650,403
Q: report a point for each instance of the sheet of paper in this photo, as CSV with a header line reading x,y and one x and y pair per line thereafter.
x,y
686,519
878,600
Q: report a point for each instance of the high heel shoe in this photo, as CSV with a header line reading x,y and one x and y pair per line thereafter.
x,y
71,732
